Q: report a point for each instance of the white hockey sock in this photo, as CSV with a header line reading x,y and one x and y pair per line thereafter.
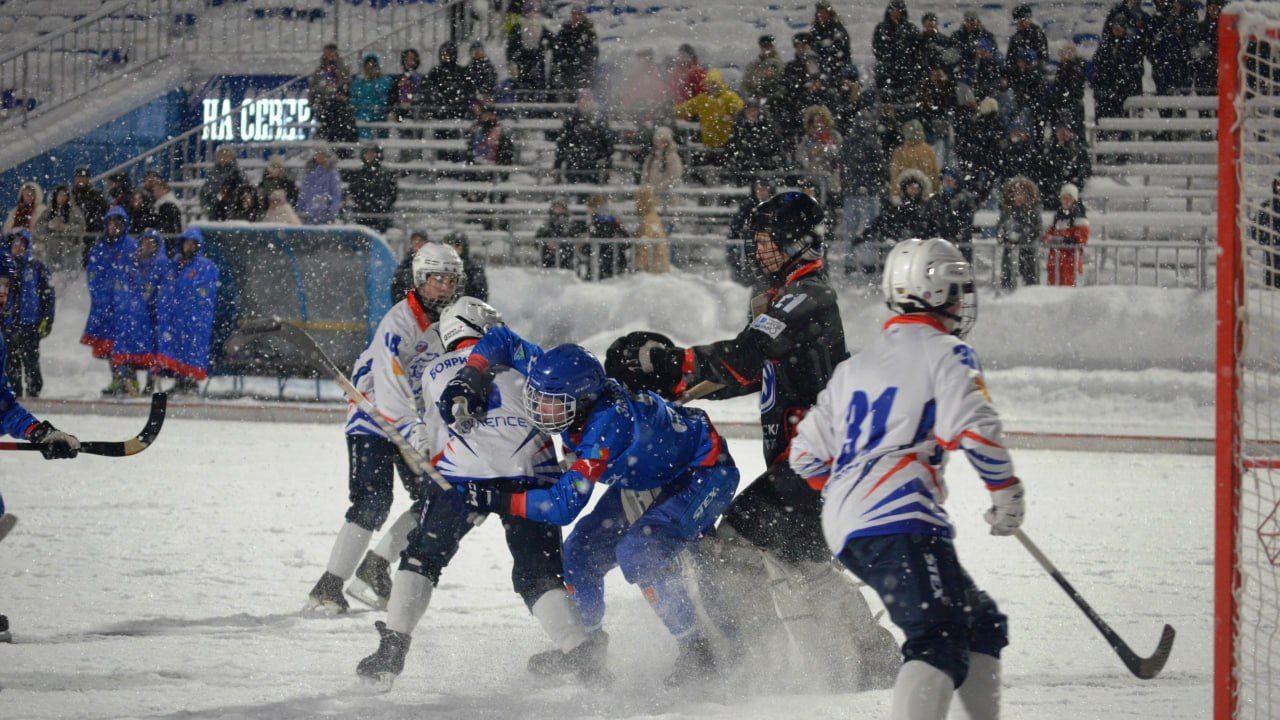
x,y
410,596
559,618
922,692
396,536
348,549
980,693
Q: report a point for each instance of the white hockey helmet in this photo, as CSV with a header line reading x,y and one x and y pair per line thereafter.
x,y
466,317
436,259
931,276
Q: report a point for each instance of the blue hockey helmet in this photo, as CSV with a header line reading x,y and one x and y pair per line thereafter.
x,y
565,381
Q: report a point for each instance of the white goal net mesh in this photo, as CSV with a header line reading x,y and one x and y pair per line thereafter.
x,y
1258,460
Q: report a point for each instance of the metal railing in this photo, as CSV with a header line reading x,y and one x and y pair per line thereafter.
x,y
55,69
1141,263
182,156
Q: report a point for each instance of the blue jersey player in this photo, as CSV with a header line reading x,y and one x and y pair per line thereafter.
x,y
669,474
14,419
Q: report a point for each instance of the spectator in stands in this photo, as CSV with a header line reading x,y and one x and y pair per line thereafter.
x,y
1117,70
249,205
967,39
1135,20
936,49
166,214
662,170
574,51
407,97
762,77
818,154
104,268
895,44
1066,160
913,154
755,145
864,169
527,46
584,150
119,187
651,251
643,91
985,76
688,78
978,130
139,207
185,315
830,41
90,201
276,177
1066,92
402,278
372,190
1026,85
604,226
740,252
27,211
448,90
1204,53
555,252
28,316
714,109
903,218
937,107
1265,231
1027,36
488,142
799,67
320,194
481,73
370,92
1173,32
328,92
146,272
951,212
279,211
475,281
60,231
1019,154
1018,232
218,194
1066,236
850,100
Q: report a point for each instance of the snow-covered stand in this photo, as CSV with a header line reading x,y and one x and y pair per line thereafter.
x,y
332,281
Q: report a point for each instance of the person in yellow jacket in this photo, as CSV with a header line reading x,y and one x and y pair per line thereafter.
x,y
714,109
913,154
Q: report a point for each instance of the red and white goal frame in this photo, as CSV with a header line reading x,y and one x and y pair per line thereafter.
x,y
1247,468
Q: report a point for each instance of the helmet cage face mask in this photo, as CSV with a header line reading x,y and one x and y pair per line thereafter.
x,y
432,260
551,413
944,285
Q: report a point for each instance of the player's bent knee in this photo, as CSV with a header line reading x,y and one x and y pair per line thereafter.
x,y
370,513
944,648
989,630
644,553
531,588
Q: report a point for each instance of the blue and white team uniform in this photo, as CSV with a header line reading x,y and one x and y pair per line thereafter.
x,y
669,473
878,438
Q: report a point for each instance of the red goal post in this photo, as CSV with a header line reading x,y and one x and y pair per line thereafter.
x,y
1247,465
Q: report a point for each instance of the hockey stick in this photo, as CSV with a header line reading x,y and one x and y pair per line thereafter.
x,y
304,343
1145,668
701,390
125,448
7,521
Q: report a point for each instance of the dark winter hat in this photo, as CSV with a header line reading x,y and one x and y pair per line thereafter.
x,y
929,16
950,172
477,44
754,102
987,44
766,40
1022,12
82,170
802,38
687,49
970,14
899,5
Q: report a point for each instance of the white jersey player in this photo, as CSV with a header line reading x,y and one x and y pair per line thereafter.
x,y
389,373
878,437
504,451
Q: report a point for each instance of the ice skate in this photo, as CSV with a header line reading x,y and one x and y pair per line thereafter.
x,y
372,582
326,597
5,635
382,667
696,662
587,662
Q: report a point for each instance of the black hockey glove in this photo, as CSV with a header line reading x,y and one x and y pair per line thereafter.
x,y
54,444
485,499
463,400
646,361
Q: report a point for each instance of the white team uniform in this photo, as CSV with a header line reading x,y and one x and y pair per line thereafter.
x,y
389,371
503,444
878,432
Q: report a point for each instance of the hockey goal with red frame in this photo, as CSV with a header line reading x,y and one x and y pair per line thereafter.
x,y
1247,467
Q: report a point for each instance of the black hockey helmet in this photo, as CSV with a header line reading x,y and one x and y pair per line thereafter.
x,y
794,222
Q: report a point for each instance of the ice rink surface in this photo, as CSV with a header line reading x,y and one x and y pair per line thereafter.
x,y
168,585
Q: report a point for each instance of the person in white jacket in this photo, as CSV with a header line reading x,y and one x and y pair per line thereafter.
x,y
877,437
389,373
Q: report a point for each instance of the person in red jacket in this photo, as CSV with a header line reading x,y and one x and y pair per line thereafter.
x,y
688,77
1070,229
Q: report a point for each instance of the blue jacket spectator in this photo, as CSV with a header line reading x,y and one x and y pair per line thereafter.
x,y
320,194
136,294
103,269
29,316
369,94
185,313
